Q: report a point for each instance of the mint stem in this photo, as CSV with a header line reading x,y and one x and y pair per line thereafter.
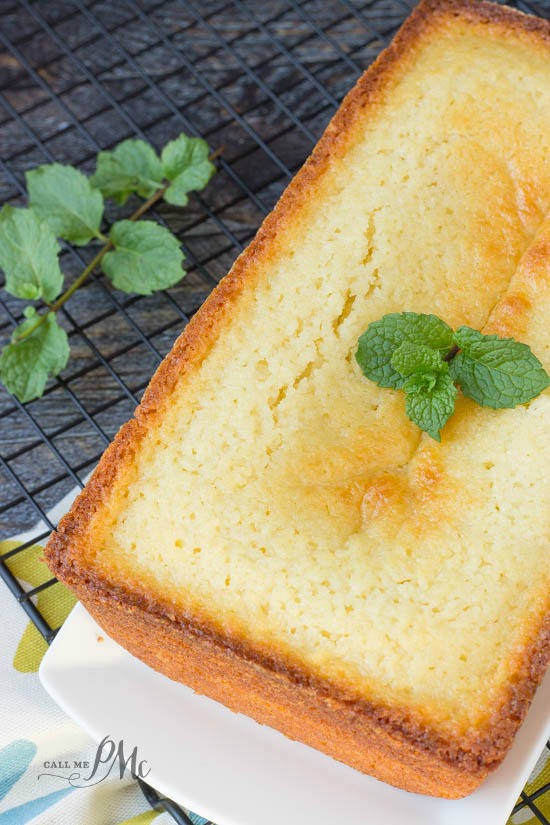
x,y
451,354
84,275
156,196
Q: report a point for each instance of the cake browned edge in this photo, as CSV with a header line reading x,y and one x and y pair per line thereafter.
x,y
387,742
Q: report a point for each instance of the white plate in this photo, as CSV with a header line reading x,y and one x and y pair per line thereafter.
x,y
234,771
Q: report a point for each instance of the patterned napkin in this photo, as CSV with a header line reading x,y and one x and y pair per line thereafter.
x,y
35,731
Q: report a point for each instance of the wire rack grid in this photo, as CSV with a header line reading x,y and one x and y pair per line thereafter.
x,y
259,81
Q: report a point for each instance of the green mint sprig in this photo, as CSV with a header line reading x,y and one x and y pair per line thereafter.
x,y
137,256
421,355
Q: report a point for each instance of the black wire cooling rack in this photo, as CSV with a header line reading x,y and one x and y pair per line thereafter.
x,y
259,80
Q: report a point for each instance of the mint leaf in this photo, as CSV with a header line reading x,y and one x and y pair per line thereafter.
x,y
26,365
416,358
147,257
420,382
29,255
182,153
133,166
185,163
421,355
496,372
381,338
430,407
66,200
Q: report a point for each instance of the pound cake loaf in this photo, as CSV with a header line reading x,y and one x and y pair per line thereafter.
x,y
270,528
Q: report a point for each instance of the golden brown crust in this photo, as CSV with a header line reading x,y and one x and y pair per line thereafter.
x,y
385,742
370,739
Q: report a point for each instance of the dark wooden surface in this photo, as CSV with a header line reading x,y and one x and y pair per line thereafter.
x,y
258,79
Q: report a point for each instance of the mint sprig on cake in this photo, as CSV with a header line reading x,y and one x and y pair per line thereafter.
x,y
421,355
